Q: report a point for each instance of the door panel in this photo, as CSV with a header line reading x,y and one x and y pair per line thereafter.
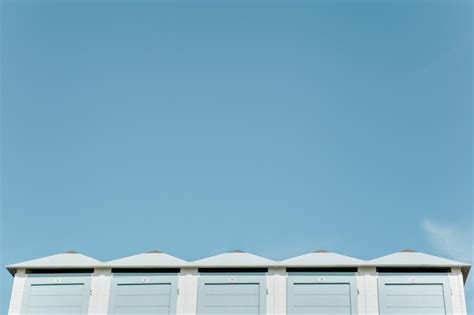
x,y
321,294
231,294
414,294
144,294
56,294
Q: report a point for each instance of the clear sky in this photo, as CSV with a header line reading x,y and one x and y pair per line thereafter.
x,y
197,128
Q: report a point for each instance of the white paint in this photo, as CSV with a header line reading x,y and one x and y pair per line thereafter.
x,y
276,278
147,260
63,260
367,300
101,281
270,297
232,259
18,289
187,288
181,299
413,259
276,291
321,259
457,289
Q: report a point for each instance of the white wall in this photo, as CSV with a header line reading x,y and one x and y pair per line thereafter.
x,y
367,289
187,289
458,296
17,292
100,289
276,291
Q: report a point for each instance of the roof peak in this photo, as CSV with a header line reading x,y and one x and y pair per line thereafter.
x,y
236,251
154,251
408,250
321,251
71,252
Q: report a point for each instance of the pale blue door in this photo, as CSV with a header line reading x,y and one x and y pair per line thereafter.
x,y
413,294
149,294
56,294
227,294
321,293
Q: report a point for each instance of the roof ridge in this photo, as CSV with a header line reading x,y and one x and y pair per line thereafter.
x,y
321,251
236,251
154,251
408,250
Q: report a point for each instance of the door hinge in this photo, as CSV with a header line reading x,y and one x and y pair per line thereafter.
x,y
266,291
177,291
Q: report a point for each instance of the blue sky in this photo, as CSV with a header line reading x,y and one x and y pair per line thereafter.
x,y
197,128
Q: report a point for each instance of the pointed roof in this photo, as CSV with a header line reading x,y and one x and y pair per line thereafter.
x,y
235,258
66,260
412,258
321,258
151,259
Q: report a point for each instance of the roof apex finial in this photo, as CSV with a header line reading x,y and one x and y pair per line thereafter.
x,y
408,250
236,251
321,251
154,251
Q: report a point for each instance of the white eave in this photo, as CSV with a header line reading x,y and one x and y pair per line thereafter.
x,y
67,260
234,259
239,259
321,258
411,258
153,259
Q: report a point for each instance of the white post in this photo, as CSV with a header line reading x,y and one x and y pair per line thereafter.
x,y
187,288
457,287
101,281
19,282
276,291
368,303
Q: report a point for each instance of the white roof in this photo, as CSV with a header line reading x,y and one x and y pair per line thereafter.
x,y
59,261
153,259
321,258
239,259
410,258
235,258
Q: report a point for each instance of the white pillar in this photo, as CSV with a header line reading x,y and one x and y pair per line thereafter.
x,y
276,291
457,289
368,303
101,281
18,289
187,288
